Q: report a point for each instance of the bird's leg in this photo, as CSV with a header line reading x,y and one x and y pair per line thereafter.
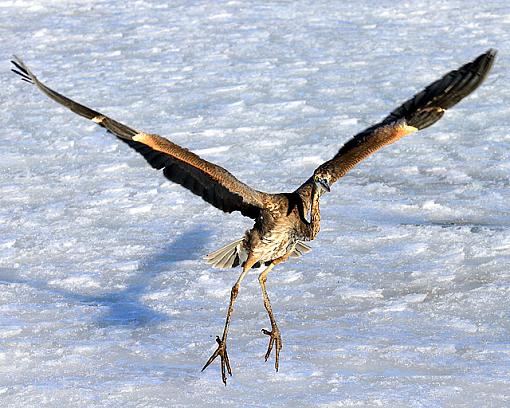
x,y
222,343
275,338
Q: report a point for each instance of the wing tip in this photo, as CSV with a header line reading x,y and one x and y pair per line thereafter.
x,y
21,69
489,58
428,106
484,63
492,52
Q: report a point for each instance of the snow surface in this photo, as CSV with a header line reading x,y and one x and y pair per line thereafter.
x,y
104,299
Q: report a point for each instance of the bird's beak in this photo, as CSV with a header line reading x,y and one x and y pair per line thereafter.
x,y
323,184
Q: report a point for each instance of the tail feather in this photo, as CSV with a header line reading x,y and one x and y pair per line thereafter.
x,y
222,250
300,249
227,259
235,254
229,256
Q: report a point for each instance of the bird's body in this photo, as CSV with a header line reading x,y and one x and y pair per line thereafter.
x,y
283,221
278,230
271,238
276,233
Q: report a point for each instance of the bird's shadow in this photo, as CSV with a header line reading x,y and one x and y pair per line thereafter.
x,y
125,307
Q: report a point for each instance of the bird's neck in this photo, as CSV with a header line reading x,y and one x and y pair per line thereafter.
x,y
315,214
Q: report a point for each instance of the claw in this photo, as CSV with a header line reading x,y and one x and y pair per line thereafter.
x,y
222,352
274,339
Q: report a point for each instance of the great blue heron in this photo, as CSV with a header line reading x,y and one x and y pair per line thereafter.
x,y
283,221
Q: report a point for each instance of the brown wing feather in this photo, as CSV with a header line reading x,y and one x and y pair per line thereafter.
x,y
211,182
419,112
350,155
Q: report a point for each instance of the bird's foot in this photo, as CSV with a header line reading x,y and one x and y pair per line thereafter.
x,y
275,339
222,352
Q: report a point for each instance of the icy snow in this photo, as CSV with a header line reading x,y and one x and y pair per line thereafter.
x,y
104,299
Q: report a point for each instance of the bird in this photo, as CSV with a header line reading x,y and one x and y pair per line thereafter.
x,y
283,222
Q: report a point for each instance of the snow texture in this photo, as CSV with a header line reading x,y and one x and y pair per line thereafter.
x,y
104,299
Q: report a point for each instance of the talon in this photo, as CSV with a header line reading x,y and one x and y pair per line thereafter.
x,y
275,339
225,363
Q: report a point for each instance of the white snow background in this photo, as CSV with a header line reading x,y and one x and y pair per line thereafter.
x,y
104,299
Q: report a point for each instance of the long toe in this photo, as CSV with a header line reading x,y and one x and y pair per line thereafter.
x,y
225,363
275,339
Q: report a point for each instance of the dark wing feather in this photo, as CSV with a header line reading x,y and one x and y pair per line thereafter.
x,y
213,183
421,111
428,106
207,180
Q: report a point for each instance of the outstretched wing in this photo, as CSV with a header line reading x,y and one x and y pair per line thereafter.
x,y
421,111
211,182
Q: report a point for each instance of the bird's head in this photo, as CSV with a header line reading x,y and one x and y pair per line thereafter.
x,y
321,182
